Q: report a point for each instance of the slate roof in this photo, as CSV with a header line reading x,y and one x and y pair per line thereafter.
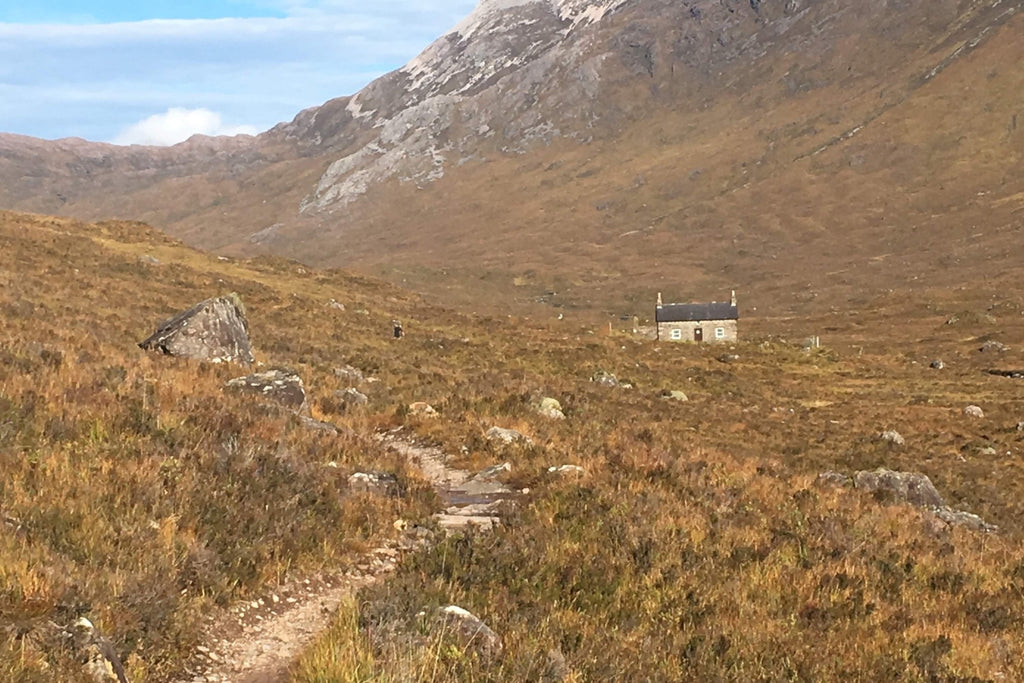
x,y
684,313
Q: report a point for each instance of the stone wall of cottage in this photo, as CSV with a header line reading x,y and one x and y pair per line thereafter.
x,y
686,330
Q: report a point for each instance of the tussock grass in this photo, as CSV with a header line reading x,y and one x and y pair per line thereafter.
x,y
696,546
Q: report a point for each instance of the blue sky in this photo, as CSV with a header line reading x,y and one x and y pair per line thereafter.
x,y
157,71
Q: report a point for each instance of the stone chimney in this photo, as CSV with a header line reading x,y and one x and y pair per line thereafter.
x,y
733,302
659,299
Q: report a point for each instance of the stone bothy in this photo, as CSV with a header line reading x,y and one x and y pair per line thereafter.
x,y
708,322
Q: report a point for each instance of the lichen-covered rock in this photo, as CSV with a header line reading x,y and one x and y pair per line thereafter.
x,y
507,436
993,346
831,478
472,633
566,470
974,411
604,379
352,397
100,659
550,408
349,374
493,471
280,386
906,487
380,483
670,395
422,409
965,519
893,437
214,330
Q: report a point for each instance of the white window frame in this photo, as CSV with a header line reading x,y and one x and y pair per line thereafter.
x,y
675,334
719,333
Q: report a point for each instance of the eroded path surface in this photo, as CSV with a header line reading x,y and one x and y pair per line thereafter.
x,y
259,641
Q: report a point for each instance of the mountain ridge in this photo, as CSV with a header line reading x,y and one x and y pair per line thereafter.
x,y
741,99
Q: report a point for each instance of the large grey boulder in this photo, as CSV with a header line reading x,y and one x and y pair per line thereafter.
x,y
280,386
906,487
913,488
214,330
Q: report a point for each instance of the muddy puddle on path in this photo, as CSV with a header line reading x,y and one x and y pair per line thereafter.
x,y
262,639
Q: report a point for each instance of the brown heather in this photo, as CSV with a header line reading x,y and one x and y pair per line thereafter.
x,y
697,546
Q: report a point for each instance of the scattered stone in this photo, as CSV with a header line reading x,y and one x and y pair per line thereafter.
x,y
831,478
473,633
281,386
728,358
101,661
1020,426
906,487
993,346
352,397
493,471
335,305
214,330
421,409
987,450
550,408
349,374
508,436
893,437
966,519
1011,374
566,470
937,365
974,411
604,379
669,395
380,483
318,426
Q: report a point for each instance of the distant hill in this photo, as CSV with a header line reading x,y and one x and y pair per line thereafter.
x,y
807,154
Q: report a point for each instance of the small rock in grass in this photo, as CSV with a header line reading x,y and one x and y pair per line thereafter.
x,y
422,409
893,437
507,436
974,411
473,633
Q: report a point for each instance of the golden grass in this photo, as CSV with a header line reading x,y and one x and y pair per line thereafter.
x,y
696,547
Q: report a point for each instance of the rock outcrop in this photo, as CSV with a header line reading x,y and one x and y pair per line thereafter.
x,y
911,488
283,387
214,330
905,487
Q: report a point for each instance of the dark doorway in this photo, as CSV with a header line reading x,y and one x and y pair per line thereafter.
x,y
698,334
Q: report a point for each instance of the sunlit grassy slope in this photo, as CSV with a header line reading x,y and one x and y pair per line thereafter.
x,y
695,547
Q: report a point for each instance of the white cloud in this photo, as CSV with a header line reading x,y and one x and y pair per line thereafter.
x,y
177,125
98,80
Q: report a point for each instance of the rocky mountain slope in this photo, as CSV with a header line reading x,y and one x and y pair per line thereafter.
x,y
800,151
